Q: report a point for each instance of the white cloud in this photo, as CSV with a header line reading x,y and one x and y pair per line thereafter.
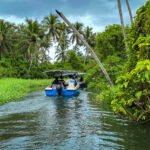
x,y
13,19
87,20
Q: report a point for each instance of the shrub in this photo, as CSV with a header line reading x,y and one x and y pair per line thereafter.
x,y
133,96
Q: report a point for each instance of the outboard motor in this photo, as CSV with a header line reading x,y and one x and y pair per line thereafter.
x,y
83,85
59,89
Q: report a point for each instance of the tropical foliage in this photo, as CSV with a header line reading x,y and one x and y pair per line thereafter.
x,y
130,96
25,52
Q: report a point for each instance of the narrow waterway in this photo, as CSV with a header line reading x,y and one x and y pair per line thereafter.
x,y
45,123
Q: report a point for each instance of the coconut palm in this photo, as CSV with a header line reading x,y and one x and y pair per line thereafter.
x,y
62,28
129,9
63,44
51,24
5,37
89,36
30,42
74,38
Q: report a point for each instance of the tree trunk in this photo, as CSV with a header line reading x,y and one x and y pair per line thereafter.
x,y
129,9
0,55
123,26
88,48
85,57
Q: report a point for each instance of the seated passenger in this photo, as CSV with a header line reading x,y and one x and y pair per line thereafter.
x,y
76,79
81,80
82,83
71,82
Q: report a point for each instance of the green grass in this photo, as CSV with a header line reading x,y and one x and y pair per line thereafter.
x,y
14,89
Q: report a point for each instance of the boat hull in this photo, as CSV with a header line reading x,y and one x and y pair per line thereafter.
x,y
51,92
65,92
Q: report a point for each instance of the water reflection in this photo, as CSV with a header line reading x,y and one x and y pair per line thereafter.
x,y
41,122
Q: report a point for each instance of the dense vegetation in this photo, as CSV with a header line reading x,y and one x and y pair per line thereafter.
x,y
25,53
131,72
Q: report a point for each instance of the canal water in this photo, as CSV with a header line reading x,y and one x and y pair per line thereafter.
x,y
46,123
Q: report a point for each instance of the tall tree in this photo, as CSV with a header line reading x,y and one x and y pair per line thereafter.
x,y
123,26
31,40
51,23
89,36
5,37
63,44
130,12
74,38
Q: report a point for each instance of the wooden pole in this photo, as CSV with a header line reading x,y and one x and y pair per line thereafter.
x,y
88,47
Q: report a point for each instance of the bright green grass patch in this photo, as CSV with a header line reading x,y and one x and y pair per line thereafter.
x,y
14,89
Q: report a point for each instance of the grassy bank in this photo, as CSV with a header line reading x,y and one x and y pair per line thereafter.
x,y
14,89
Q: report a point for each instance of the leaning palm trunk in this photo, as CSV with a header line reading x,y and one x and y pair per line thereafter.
x,y
0,53
86,55
129,9
88,47
123,26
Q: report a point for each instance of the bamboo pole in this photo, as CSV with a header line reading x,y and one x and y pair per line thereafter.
x,y
88,47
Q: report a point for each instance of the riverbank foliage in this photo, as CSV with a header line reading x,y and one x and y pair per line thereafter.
x,y
14,89
25,51
130,72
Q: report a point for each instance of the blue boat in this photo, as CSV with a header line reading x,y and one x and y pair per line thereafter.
x,y
64,92
61,91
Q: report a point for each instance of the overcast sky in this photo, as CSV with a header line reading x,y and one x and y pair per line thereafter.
x,y
95,13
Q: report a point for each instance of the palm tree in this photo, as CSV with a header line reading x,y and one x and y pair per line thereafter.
x,y
74,38
31,39
123,26
51,24
5,37
62,28
63,44
129,9
89,36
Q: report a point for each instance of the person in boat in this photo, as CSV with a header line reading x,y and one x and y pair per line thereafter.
x,y
56,84
82,83
72,84
81,79
62,81
76,79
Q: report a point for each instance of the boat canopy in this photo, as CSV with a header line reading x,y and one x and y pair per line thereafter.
x,y
64,72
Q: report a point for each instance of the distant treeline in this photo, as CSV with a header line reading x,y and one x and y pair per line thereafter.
x,y
25,48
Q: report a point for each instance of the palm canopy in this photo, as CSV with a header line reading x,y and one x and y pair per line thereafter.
x,y
5,37
51,23
63,44
32,34
89,36
74,38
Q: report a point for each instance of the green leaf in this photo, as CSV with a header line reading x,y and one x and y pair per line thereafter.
x,y
130,102
138,94
125,84
147,75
